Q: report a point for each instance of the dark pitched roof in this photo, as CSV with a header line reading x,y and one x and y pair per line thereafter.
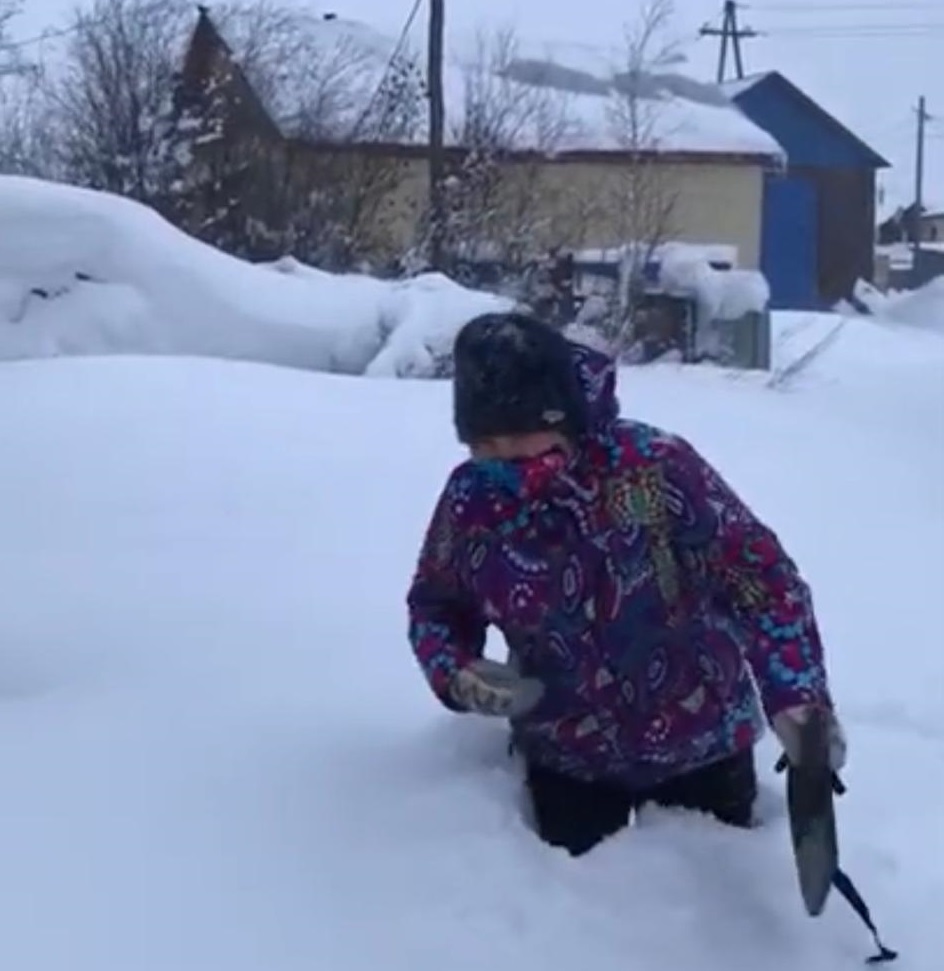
x,y
207,45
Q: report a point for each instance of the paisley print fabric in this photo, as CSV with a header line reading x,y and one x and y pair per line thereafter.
x,y
664,619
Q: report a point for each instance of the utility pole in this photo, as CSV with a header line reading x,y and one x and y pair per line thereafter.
x,y
729,32
437,113
923,119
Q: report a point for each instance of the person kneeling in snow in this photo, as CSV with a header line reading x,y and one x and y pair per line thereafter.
x,y
636,593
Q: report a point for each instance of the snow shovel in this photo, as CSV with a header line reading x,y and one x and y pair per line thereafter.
x,y
811,786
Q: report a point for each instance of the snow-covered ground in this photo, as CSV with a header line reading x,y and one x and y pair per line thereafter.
x,y
89,272
217,752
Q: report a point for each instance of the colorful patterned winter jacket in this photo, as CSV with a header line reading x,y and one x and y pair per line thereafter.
x,y
634,583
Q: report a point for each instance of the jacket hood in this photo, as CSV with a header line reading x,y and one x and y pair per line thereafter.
x,y
596,372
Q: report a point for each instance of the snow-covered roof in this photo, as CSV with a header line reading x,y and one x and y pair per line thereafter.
x,y
675,113
566,99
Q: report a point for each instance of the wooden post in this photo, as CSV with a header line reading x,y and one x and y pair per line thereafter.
x,y
437,112
923,118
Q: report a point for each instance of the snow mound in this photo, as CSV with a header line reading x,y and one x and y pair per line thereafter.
x,y
923,307
423,342
721,294
85,272
217,751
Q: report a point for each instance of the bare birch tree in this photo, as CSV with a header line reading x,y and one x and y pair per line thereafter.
x,y
645,196
506,130
350,166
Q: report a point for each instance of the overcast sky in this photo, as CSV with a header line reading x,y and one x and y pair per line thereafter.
x,y
864,60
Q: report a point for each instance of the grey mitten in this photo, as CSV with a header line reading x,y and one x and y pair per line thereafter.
x,y
497,690
788,724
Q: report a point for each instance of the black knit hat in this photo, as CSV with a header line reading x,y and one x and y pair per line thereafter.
x,y
514,375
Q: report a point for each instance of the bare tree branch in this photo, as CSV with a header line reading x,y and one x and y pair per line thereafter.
x,y
117,78
223,161
645,197
9,9
494,198
501,113
25,141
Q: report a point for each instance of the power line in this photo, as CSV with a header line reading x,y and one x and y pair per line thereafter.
x,y
807,8
404,34
391,63
875,35
864,32
853,28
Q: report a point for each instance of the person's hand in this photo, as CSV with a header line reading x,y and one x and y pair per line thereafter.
x,y
830,748
496,690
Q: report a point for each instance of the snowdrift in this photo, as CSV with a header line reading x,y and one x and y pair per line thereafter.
x,y
217,752
85,272
88,273
923,307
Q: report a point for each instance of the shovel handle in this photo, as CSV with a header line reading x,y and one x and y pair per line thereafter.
x,y
839,787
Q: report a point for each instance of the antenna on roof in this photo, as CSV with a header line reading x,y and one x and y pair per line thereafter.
x,y
729,32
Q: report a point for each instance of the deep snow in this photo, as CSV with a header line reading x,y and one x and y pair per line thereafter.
x,y
217,752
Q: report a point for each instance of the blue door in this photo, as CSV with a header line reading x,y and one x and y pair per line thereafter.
x,y
788,252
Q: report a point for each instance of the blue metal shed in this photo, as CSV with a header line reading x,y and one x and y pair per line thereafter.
x,y
818,235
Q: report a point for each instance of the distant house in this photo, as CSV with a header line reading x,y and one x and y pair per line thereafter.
x,y
905,225
932,224
819,215
711,159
